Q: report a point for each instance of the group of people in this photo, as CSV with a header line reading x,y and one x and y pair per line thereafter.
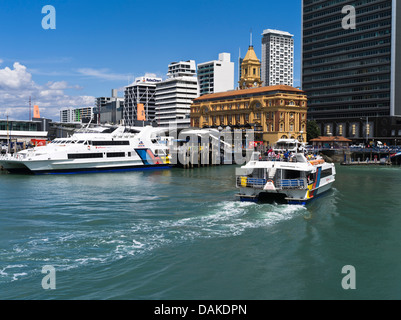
x,y
285,155
279,156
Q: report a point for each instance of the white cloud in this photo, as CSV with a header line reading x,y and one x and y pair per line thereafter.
x,y
1,61
17,86
103,74
15,78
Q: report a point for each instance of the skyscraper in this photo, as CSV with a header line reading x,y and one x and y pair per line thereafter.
x,y
216,76
174,96
277,58
351,67
141,92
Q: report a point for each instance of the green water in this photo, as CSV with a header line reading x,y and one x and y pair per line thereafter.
x,y
180,234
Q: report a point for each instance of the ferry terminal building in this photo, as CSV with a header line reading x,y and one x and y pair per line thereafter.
x,y
273,112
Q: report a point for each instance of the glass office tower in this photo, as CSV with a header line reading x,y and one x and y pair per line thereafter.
x,y
351,74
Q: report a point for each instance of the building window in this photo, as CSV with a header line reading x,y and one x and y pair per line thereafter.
x,y
328,129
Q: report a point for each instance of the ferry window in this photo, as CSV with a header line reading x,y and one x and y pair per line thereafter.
x,y
326,173
115,154
85,155
111,143
291,174
129,154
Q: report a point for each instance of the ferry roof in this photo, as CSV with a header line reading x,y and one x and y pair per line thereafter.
x,y
330,139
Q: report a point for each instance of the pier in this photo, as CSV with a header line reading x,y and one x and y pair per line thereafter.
x,y
360,156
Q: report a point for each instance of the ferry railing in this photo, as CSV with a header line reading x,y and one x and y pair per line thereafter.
x,y
247,182
291,184
259,183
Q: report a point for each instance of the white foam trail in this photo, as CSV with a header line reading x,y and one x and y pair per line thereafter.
x,y
223,219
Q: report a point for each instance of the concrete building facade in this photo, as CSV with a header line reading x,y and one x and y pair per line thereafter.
x,y
216,76
174,96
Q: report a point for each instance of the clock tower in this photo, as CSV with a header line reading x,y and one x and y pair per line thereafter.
x,y
250,70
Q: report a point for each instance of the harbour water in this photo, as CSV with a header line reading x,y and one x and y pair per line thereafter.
x,y
180,234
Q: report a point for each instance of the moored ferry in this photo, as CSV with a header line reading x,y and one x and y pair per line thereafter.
x,y
293,179
113,148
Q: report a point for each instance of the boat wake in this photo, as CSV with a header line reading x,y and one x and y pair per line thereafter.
x,y
107,244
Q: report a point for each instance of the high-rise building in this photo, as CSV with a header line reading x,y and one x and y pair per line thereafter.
x,y
141,92
174,96
351,67
277,58
109,109
67,115
76,115
216,76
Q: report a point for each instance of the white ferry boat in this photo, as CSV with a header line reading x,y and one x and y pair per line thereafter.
x,y
294,179
98,149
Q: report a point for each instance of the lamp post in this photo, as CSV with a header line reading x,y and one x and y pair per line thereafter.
x,y
8,141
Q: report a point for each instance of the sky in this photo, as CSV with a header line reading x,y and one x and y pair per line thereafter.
x,y
98,46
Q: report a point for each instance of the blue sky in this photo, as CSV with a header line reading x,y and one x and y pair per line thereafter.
x,y
101,45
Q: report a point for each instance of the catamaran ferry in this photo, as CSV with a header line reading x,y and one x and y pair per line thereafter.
x,y
293,179
113,148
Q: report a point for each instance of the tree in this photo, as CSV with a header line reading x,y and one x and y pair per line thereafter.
x,y
313,130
